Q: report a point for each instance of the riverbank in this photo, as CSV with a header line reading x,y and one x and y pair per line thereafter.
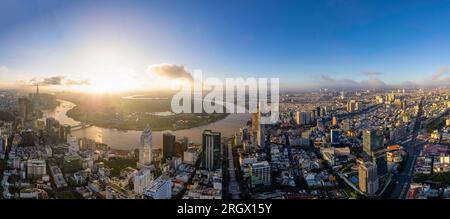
x,y
133,112
139,122
130,139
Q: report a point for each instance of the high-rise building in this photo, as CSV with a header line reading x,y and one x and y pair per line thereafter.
x,y
260,174
181,146
36,169
86,143
211,150
390,97
145,150
255,121
237,140
334,121
142,180
351,106
379,99
368,178
168,145
161,188
24,108
303,118
379,158
261,136
323,112
258,128
64,130
317,113
372,141
73,144
50,124
313,116
1,142
334,135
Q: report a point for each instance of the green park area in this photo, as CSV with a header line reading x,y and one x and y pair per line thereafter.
x,y
443,178
118,164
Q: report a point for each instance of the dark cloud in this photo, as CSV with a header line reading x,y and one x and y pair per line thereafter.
x,y
55,80
170,71
58,80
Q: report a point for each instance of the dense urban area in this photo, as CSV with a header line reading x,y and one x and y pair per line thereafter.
x,y
327,144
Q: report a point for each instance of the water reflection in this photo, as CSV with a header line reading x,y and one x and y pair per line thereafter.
x,y
120,139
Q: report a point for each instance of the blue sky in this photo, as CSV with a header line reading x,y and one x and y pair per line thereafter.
x,y
306,43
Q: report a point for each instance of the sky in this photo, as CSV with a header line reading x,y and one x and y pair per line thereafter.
x,y
306,43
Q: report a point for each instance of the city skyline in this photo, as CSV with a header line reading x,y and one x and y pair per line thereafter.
x,y
90,45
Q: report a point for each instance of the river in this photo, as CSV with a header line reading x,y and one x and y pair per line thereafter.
x,y
128,140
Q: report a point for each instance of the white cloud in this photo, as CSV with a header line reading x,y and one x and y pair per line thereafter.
x,y
442,71
4,70
170,71
372,83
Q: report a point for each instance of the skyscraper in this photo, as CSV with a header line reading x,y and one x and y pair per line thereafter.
x,y
1,142
142,179
168,146
303,118
64,130
211,150
318,112
372,141
255,121
145,150
352,106
334,134
379,158
368,178
24,107
261,136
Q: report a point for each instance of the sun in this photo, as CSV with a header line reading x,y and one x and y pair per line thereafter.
x,y
107,71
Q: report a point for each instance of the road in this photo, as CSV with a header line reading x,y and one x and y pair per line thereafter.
x,y
402,180
233,186
360,112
